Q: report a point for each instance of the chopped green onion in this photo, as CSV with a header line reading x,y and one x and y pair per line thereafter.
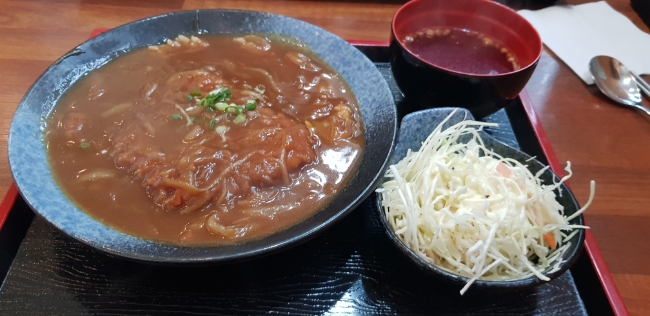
x,y
218,95
176,117
221,106
195,93
239,119
250,105
211,107
189,98
229,112
216,101
221,129
84,145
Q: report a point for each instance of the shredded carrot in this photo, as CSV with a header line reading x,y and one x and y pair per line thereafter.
x,y
504,170
550,240
177,199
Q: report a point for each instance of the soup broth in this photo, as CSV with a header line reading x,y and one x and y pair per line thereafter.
x,y
462,51
210,140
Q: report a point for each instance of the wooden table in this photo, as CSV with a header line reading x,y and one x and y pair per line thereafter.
x,y
604,142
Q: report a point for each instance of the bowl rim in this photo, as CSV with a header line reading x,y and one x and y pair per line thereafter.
x,y
485,284
500,6
263,246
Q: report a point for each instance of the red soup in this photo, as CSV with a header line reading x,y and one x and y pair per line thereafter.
x,y
462,51
206,140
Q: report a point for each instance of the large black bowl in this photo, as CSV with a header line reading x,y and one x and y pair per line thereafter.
x,y
414,130
27,153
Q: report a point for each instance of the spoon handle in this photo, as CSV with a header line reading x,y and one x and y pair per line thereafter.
x,y
642,108
645,87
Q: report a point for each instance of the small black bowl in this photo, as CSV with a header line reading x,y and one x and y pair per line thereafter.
x,y
414,130
425,82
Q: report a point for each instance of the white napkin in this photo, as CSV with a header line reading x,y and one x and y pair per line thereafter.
x,y
578,33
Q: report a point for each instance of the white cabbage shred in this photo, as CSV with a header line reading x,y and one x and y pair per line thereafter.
x,y
467,210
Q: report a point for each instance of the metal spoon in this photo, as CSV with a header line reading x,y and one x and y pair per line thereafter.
x,y
616,81
643,85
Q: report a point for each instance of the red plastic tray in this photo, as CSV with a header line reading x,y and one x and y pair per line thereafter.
x,y
592,250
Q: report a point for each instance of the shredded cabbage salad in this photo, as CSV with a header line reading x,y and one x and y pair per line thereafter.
x,y
467,210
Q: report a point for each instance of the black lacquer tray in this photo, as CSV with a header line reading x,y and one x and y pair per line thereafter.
x,y
353,268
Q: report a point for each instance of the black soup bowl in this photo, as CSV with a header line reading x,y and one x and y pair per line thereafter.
x,y
453,75
32,174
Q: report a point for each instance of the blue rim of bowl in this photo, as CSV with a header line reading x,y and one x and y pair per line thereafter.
x,y
28,163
